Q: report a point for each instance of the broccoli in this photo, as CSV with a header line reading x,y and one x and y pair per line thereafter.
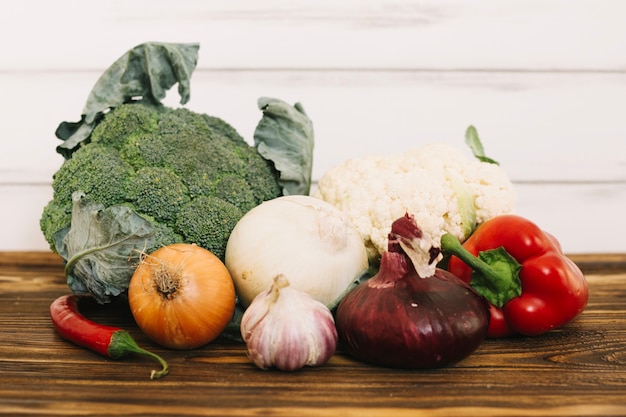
x,y
139,175
192,173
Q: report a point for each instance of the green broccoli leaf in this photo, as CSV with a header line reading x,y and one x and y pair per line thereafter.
x,y
284,135
473,141
102,247
145,72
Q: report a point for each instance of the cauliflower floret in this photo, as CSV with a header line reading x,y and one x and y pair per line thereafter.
x,y
491,188
443,189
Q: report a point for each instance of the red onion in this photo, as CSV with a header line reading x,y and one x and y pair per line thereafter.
x,y
401,320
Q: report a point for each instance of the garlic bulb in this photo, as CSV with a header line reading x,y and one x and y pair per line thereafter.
x,y
305,239
287,329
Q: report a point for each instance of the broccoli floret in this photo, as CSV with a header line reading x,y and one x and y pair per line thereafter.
x,y
199,163
129,122
55,217
208,221
264,175
158,192
190,174
233,189
98,171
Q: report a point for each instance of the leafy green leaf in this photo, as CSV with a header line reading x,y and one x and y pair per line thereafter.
x,y
144,73
102,247
473,141
284,135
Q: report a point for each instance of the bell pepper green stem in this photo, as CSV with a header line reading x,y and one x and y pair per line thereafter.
x,y
495,272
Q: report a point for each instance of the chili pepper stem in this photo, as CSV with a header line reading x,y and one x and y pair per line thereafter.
x,y
497,279
122,344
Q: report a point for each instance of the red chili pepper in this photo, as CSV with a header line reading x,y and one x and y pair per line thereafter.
x,y
521,270
112,342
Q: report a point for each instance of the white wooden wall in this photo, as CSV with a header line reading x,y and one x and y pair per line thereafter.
x,y
543,81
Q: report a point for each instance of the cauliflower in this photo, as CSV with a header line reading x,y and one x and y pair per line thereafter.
x,y
445,191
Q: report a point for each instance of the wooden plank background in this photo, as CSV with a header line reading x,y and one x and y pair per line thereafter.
x,y
543,81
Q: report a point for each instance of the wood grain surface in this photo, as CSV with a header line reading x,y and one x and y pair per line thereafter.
x,y
579,370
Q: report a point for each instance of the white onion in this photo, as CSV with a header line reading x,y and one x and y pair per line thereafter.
x,y
303,238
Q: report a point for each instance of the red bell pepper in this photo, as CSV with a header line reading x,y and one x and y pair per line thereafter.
x,y
532,287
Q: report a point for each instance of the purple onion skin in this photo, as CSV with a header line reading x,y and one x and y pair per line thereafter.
x,y
400,320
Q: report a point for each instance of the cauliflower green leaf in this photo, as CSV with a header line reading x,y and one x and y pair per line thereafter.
x,y
473,141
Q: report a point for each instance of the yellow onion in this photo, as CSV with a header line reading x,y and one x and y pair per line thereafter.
x,y
181,296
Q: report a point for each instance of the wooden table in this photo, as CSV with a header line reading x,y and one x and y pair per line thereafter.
x,y
579,370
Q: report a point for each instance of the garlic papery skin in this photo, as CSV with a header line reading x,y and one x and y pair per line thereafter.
x,y
307,240
287,329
